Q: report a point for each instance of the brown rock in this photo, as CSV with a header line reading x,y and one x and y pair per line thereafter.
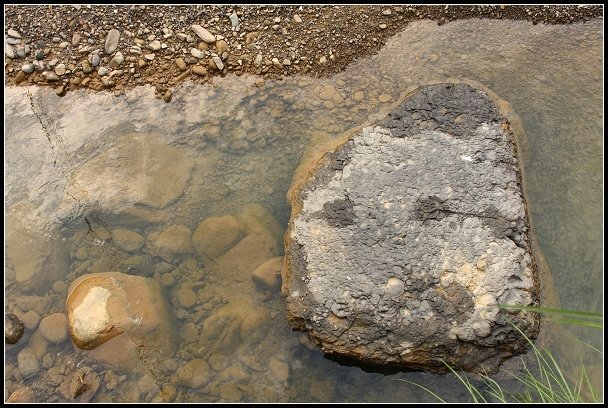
x,y
181,64
127,240
173,241
199,70
215,235
22,395
54,327
267,276
195,373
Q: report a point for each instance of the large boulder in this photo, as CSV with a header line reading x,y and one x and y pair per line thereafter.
x,y
116,315
405,237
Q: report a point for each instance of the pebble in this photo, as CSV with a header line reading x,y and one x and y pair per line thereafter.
x,y
112,40
234,20
27,362
9,51
103,71
154,45
279,369
82,253
47,361
64,44
51,76
181,64
13,328
53,62
13,41
230,392
203,34
135,49
218,62
276,63
386,12
95,60
185,297
117,60
60,69
297,18
197,53
149,57
167,280
110,380
20,77
194,373
383,26
181,36
221,46
54,327
39,55
56,39
13,33
28,68
199,70
258,60
22,395
385,98
38,65
21,52
323,60
168,96
76,39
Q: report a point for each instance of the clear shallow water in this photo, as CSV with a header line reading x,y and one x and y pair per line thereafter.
x,y
244,144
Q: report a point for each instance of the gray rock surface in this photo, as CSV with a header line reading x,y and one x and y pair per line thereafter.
x,y
403,240
112,40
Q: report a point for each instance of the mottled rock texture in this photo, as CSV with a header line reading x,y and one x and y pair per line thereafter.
x,y
404,238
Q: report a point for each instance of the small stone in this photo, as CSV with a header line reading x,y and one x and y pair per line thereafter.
x,y
95,60
135,49
279,369
154,45
230,392
251,37
13,41
51,76
181,64
64,44
56,39
203,34
197,53
234,20
84,385
53,62
385,98
22,395
31,319
13,328
286,62
181,36
127,240
54,327
117,60
86,68
38,65
168,96
110,380
199,70
142,63
258,60
218,62
149,57
39,55
112,41
27,362
297,18
276,63
185,297
103,71
323,60
60,69
383,26
61,90
386,12
195,373
267,276
13,33
47,361
221,46
28,68
9,51
20,77
21,52
76,39
167,280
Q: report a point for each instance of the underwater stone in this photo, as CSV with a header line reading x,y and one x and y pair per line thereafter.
x,y
404,238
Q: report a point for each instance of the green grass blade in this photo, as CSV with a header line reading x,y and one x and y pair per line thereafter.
x,y
424,388
550,310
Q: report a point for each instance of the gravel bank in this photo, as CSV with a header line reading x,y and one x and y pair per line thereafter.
x,y
114,48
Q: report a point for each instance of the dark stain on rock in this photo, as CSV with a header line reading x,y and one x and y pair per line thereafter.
x,y
339,213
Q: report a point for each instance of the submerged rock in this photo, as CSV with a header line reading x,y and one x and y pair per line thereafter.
x,y
137,178
114,315
215,235
404,239
13,328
